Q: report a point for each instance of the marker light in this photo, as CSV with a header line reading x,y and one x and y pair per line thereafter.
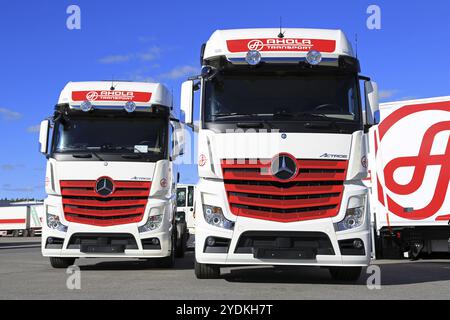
x,y
314,57
253,57
130,106
86,106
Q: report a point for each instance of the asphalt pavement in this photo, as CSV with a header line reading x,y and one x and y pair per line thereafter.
x,y
25,274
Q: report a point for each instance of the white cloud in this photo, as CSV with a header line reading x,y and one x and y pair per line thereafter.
x,y
34,129
8,115
152,53
11,167
114,59
386,94
179,72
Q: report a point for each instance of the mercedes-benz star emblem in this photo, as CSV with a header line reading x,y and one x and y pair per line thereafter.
x,y
284,167
104,187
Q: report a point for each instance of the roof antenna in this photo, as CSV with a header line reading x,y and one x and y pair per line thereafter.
x,y
356,45
112,84
281,34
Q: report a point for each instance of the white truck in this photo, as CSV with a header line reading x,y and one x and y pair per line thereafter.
x,y
110,178
281,151
185,204
409,166
21,220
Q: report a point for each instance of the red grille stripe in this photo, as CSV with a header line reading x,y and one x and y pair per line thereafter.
x,y
83,205
322,178
292,191
103,213
283,204
104,204
285,217
102,223
92,193
257,176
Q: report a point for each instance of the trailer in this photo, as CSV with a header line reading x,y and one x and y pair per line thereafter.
x,y
409,165
21,220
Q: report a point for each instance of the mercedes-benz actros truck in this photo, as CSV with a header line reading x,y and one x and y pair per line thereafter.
x,y
110,177
281,151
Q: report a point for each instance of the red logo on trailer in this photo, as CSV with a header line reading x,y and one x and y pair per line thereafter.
x,y
284,44
420,162
111,95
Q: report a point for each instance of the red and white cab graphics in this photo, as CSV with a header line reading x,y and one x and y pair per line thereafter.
x,y
111,95
412,152
281,44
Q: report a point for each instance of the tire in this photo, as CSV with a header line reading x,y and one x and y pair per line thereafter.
x,y
206,271
25,233
59,263
32,233
15,233
351,274
180,250
168,262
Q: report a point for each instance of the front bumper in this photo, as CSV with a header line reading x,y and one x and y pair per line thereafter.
x,y
74,230
244,225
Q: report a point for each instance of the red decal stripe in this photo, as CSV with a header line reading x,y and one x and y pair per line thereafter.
x,y
7,221
285,44
108,95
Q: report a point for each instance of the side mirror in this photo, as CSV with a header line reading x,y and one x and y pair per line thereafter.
x,y
372,104
187,101
178,139
43,136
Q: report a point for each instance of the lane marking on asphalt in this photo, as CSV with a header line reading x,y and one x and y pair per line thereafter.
x,y
20,247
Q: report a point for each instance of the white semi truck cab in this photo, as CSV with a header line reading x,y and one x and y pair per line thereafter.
x,y
110,177
281,151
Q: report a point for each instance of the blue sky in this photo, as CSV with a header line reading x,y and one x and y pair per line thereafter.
x,y
160,41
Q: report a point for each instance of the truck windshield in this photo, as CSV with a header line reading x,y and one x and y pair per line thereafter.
x,y
140,137
299,97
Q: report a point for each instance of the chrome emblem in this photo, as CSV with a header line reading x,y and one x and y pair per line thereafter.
x,y
284,167
104,187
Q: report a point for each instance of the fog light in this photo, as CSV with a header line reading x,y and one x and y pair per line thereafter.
x,y
358,244
210,241
155,241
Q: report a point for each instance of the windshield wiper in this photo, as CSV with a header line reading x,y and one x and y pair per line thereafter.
x,y
131,156
82,155
232,115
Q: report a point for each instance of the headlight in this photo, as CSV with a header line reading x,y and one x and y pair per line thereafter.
x,y
154,221
53,222
354,217
214,216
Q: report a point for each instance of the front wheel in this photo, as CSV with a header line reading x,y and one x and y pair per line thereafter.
x,y
346,273
59,263
206,271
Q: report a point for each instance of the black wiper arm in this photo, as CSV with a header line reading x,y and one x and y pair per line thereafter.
x,y
131,156
82,155
248,125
